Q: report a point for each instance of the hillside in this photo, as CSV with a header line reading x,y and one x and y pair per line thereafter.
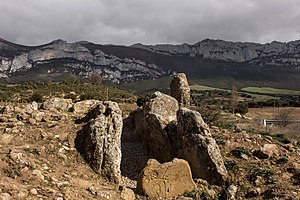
x,y
214,62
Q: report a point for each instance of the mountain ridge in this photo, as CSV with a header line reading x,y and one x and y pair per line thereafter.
x,y
240,62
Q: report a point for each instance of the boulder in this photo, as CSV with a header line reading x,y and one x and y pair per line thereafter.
x,y
28,108
58,103
103,140
84,106
163,105
165,180
199,148
180,90
267,151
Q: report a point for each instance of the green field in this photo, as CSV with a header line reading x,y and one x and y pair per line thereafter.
x,y
269,90
203,87
142,87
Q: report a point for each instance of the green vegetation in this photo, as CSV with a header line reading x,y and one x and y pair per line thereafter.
x,y
203,87
282,160
239,151
33,151
269,90
142,87
230,165
265,173
76,90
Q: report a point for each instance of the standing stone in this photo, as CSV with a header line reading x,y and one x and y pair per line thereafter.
x,y
103,140
199,148
159,112
165,180
180,90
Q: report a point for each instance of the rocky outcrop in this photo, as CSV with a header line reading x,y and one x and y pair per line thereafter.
x,y
102,147
82,58
233,51
180,90
57,103
165,180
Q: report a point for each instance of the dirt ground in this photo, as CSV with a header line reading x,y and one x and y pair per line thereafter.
x,y
39,160
268,113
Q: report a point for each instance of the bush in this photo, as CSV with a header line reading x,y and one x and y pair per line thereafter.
x,y
242,108
37,97
142,100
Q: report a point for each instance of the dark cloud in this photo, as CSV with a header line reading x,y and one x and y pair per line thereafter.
x,y
161,21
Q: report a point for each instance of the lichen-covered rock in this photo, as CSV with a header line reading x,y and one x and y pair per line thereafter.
x,y
163,105
58,103
165,180
103,140
180,90
156,138
199,148
158,113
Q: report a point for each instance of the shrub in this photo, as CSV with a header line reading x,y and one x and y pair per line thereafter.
x,y
239,151
242,108
230,165
36,96
265,173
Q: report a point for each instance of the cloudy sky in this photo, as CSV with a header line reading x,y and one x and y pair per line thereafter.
x,y
127,22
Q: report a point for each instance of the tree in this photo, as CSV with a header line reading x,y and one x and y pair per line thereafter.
x,y
234,99
284,116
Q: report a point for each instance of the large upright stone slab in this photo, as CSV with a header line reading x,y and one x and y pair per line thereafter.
x,y
158,113
180,90
199,148
103,140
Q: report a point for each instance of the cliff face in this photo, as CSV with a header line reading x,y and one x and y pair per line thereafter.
x,y
75,58
276,53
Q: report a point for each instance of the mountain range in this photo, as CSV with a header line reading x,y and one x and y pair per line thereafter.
x,y
215,62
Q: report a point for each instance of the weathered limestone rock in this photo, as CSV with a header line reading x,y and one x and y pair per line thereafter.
x,y
267,151
133,126
127,194
156,138
103,140
231,192
159,112
84,106
199,148
180,90
58,103
163,105
165,180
